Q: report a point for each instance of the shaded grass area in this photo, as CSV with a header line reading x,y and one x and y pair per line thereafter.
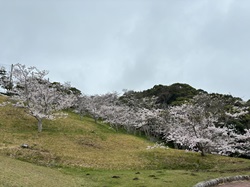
x,y
90,154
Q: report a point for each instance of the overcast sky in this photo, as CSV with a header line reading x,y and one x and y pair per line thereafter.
x,y
108,45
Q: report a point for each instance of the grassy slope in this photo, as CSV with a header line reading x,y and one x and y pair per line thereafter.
x,y
88,154
18,173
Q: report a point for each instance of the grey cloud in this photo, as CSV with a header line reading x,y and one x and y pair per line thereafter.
x,y
102,46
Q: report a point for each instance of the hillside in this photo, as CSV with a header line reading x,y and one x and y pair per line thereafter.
x,y
162,96
171,94
83,153
176,94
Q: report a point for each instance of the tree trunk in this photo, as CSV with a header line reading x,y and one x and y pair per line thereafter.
x,y
203,152
40,125
202,149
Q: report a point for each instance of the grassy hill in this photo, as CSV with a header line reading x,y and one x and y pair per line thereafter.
x,y
74,152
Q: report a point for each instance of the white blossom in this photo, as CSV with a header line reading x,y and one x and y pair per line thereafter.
x,y
193,127
40,97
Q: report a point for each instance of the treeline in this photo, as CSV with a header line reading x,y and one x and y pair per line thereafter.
x,y
209,123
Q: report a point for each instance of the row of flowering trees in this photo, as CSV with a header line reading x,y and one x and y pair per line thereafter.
x,y
196,125
204,123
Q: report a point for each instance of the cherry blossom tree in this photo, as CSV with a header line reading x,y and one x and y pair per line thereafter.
x,y
195,126
191,127
235,144
38,95
94,105
240,144
132,119
118,114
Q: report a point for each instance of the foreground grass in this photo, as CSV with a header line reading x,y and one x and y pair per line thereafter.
x,y
17,173
82,153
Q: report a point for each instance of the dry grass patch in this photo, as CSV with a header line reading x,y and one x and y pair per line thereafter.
x,y
69,142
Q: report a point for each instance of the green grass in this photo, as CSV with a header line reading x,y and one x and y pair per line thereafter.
x,y
17,173
82,153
